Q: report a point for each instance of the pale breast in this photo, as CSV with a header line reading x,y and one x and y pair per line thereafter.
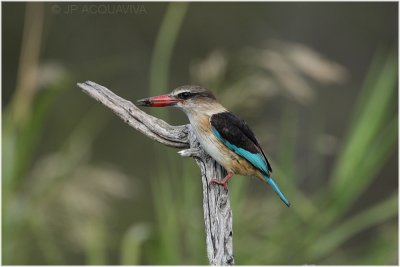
x,y
209,142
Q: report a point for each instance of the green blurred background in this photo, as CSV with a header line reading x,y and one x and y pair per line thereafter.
x,y
317,82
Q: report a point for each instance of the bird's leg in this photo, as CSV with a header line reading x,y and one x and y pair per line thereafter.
x,y
224,181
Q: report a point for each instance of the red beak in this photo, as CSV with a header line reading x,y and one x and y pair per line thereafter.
x,y
158,101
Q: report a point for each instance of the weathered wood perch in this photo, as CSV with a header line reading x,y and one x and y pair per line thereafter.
x,y
216,205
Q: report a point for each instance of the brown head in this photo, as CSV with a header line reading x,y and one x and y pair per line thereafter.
x,y
188,97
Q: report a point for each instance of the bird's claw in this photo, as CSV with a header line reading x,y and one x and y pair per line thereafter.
x,y
218,182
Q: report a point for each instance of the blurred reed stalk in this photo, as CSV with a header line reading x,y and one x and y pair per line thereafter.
x,y
174,187
163,49
28,62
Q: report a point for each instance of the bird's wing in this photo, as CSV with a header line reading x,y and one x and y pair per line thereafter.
x,y
235,134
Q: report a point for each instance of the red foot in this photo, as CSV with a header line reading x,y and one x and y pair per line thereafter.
x,y
218,182
223,182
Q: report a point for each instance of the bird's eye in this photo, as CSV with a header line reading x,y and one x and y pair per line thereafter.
x,y
185,95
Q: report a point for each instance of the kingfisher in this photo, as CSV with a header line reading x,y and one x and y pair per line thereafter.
x,y
222,134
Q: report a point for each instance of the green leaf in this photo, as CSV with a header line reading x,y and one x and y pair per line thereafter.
x,y
365,219
348,180
131,248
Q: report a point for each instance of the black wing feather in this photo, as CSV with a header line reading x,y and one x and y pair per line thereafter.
x,y
237,132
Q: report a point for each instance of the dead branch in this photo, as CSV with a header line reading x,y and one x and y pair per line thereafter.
x,y
216,205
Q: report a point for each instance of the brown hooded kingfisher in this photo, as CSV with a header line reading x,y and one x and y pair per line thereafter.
x,y
223,135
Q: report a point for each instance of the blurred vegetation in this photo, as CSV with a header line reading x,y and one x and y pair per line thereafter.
x,y
64,205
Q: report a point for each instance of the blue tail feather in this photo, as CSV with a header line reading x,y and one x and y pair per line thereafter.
x,y
275,187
